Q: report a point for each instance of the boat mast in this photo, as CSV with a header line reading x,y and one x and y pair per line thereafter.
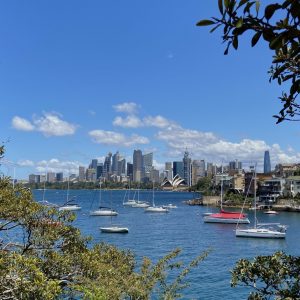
x,y
255,220
222,191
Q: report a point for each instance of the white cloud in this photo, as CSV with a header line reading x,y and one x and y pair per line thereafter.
x,y
208,146
55,165
115,138
158,121
126,107
50,124
22,124
158,166
129,122
25,163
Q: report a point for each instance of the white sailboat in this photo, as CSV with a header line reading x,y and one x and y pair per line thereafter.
x,y
129,202
153,208
262,230
103,211
113,228
140,204
69,205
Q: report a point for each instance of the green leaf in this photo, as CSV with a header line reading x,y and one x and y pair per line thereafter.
x,y
276,42
255,38
257,6
226,3
205,23
270,10
235,42
248,6
220,4
239,23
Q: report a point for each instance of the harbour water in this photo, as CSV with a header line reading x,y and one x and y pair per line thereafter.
x,y
154,235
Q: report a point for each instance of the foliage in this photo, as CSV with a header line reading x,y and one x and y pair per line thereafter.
x,y
276,275
234,198
279,26
42,256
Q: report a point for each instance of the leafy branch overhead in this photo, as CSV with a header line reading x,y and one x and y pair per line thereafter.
x,y
279,26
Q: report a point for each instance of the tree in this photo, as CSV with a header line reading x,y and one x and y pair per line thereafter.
x,y
276,275
279,26
42,256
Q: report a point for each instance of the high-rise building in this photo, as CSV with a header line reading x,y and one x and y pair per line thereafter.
x,y
99,171
130,171
169,170
187,168
197,170
34,178
60,177
93,164
114,166
154,175
235,165
121,167
107,166
50,177
267,162
147,164
178,168
81,176
137,165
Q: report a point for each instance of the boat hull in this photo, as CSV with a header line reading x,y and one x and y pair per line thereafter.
x,y
259,233
114,229
157,209
69,208
103,213
210,219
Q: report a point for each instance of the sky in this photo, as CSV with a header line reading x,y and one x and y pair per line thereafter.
x,y
79,79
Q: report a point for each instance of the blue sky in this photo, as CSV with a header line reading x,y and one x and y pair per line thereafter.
x,y
81,78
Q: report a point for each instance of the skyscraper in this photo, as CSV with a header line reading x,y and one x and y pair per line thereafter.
x,y
178,168
147,164
114,166
107,166
137,165
187,168
267,162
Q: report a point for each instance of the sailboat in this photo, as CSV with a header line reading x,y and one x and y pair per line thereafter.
x,y
140,204
113,228
103,211
262,230
129,201
153,208
225,217
69,205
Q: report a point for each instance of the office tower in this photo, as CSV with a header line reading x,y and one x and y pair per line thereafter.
x,y
267,162
154,175
93,164
187,168
147,164
59,177
34,178
107,166
169,170
50,177
114,166
42,178
196,171
130,171
121,170
99,171
211,170
235,165
137,165
91,174
81,176
178,168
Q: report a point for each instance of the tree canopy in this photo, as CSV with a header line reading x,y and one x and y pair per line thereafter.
x,y
274,276
43,256
278,24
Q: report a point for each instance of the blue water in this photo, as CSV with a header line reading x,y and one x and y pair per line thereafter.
x,y
154,235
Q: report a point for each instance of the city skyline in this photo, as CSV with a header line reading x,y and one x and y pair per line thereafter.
x,y
102,78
